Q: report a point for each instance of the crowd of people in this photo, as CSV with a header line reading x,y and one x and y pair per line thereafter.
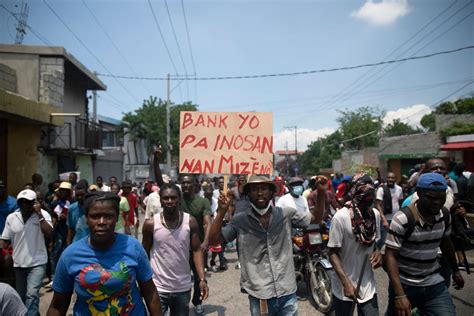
x,y
84,239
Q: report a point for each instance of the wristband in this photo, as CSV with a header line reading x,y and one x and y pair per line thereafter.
x,y
400,296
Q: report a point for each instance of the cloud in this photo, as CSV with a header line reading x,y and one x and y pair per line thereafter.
x,y
410,115
382,13
305,137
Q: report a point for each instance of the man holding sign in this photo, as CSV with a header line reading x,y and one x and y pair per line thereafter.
x,y
265,252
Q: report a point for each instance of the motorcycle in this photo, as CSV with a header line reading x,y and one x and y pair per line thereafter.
x,y
313,266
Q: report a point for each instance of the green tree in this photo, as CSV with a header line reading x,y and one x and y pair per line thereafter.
x,y
362,121
461,106
398,128
149,123
320,153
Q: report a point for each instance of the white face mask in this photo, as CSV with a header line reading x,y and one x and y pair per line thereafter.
x,y
262,211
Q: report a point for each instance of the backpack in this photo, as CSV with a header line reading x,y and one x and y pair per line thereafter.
x,y
412,221
410,226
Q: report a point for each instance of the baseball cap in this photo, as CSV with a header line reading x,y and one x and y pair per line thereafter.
x,y
432,181
65,185
27,194
295,180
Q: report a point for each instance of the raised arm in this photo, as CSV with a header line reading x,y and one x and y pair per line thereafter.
x,y
156,165
320,204
215,236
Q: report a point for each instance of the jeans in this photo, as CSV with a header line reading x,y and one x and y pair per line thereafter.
x,y
430,300
178,303
369,308
277,306
28,284
59,239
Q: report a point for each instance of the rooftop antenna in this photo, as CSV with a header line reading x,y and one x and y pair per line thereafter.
x,y
21,26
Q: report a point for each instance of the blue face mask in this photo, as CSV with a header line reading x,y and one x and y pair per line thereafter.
x,y
298,190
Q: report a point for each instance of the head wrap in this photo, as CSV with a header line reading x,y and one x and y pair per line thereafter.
x,y
363,224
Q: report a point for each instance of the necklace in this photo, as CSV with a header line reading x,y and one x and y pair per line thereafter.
x,y
163,221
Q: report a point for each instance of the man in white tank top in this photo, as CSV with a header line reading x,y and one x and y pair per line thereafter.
x,y
168,238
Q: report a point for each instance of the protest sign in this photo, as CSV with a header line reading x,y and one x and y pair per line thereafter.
x,y
226,142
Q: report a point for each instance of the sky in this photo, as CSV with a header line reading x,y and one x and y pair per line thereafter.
x,y
260,37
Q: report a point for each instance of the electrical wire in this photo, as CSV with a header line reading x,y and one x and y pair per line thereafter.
x,y
290,74
177,44
113,43
190,49
88,49
164,43
368,82
358,79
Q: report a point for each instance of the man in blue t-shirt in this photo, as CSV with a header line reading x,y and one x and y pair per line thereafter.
x,y
7,204
76,219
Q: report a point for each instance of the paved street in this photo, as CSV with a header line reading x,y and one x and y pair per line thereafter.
x,y
225,297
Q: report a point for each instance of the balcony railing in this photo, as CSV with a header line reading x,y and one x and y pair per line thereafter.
x,y
76,135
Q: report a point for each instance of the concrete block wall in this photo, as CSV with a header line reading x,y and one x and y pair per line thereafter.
x,y
416,143
8,78
446,120
52,81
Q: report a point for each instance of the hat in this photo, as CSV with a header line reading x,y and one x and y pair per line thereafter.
x,y
295,180
65,185
27,194
431,181
253,179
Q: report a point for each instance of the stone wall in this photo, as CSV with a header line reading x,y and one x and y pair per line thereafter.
x,y
8,78
52,80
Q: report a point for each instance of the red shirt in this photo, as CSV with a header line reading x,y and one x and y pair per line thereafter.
x,y
133,203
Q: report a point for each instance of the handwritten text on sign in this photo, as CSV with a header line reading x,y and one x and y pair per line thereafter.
x,y
226,142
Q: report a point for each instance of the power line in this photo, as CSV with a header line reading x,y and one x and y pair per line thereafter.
x,y
190,48
113,42
411,114
164,43
177,44
45,41
290,74
37,34
314,101
366,83
162,38
431,106
88,49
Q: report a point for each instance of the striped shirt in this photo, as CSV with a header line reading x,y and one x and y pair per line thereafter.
x,y
417,257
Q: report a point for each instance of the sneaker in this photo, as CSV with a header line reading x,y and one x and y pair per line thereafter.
x,y
237,266
223,267
214,268
199,309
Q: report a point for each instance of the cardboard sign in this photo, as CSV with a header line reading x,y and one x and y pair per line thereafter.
x,y
226,142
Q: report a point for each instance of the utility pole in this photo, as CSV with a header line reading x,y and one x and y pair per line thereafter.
x,y
21,26
296,145
94,106
168,145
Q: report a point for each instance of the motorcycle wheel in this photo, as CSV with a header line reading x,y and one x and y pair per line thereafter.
x,y
319,289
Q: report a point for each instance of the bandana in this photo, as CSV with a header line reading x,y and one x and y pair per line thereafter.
x,y
362,189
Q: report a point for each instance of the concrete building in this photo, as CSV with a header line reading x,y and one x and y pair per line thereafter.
x,y
44,120
109,160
